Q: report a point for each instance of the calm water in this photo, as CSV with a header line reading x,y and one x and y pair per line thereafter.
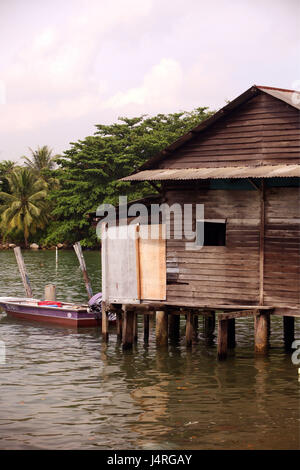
x,y
63,389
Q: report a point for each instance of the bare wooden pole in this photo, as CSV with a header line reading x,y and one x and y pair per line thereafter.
x,y
231,333
222,339
78,251
262,243
146,328
127,336
209,324
162,328
119,324
174,326
50,292
288,331
261,333
190,329
135,327
23,271
104,322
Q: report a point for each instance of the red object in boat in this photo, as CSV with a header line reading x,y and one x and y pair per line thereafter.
x,y
50,302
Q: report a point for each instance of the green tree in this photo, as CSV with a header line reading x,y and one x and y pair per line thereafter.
x,y
90,170
24,206
6,167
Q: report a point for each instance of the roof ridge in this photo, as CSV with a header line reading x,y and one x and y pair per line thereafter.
x,y
275,88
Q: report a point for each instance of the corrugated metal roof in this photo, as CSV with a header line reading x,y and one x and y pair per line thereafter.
x,y
263,171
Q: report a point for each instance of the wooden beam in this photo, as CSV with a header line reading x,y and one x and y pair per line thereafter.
x,y
23,271
222,339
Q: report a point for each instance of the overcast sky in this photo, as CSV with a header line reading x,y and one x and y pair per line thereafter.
x,y
69,64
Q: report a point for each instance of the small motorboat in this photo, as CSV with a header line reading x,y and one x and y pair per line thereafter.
x,y
60,313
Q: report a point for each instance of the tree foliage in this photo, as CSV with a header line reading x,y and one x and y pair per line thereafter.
x,y
51,196
89,172
24,206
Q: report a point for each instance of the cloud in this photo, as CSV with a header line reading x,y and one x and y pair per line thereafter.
x,y
51,77
160,88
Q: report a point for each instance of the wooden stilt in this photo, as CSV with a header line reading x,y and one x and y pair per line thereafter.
x,y
161,328
288,331
119,325
128,325
222,339
231,333
50,292
196,323
261,332
104,323
190,329
269,326
23,272
79,254
135,327
146,328
209,324
174,326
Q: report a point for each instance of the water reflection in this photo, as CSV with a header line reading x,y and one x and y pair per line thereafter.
x,y
65,389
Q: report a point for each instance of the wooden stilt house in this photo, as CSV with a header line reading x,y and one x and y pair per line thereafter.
x,y
243,164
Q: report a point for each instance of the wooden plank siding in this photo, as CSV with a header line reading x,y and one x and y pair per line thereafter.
x,y
223,274
263,130
230,274
282,247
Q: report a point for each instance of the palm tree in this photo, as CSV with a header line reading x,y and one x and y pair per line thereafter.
x,y
6,167
24,206
41,159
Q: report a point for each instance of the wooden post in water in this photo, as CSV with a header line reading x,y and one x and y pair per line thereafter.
x,y
146,328
261,332
161,328
104,322
190,329
209,323
196,324
135,327
231,333
50,292
127,336
78,251
222,339
174,326
119,325
23,272
288,331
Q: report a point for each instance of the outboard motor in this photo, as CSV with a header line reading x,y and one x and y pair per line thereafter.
x,y
95,307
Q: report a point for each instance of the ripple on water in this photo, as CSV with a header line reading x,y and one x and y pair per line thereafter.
x,y
64,389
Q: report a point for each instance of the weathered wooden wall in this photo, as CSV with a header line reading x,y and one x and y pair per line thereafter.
x,y
222,274
230,274
282,247
262,130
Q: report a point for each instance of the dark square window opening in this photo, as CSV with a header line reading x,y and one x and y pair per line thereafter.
x,y
214,233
